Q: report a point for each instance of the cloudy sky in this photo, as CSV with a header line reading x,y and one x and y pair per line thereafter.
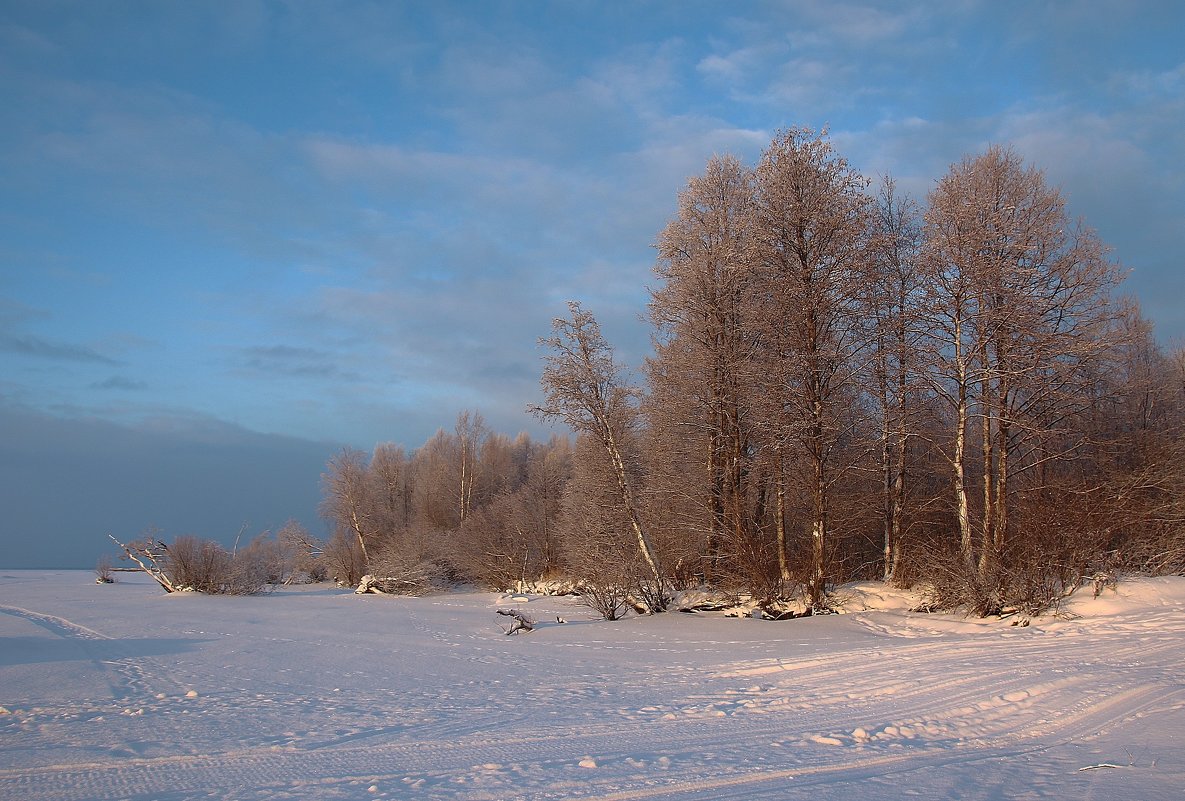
x,y
235,236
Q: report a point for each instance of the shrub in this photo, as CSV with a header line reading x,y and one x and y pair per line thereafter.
x,y
205,566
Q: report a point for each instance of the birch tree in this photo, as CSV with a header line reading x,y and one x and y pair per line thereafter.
x,y
348,501
471,436
704,352
583,387
810,225
894,298
1021,303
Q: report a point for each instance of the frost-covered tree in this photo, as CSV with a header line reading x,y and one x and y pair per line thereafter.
x,y
700,412
893,302
584,388
811,222
1020,308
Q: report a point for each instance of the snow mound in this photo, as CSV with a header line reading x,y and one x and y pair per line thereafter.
x,y
866,596
1140,595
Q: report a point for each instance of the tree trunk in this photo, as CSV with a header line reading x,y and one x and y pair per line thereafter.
x,y
898,513
357,525
987,524
152,568
627,497
958,460
1001,500
818,585
780,513
887,484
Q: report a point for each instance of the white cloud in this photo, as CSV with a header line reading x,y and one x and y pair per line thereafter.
x,y
1148,84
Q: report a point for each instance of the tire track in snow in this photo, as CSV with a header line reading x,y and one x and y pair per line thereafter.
x,y
996,698
1040,687
540,757
199,775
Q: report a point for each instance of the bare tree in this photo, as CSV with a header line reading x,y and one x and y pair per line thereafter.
x,y
194,564
584,388
894,299
150,555
343,558
303,551
388,490
598,547
1022,303
437,496
700,408
540,500
472,434
348,499
512,540
104,571
810,226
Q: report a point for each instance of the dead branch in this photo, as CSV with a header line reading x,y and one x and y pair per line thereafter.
x,y
521,621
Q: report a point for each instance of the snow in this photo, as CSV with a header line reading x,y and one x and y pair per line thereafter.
x,y
122,692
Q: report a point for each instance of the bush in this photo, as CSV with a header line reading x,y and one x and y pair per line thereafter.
x,y
1030,578
205,566
608,600
343,560
396,573
103,571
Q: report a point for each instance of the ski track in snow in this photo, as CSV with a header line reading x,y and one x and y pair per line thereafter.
x,y
328,696
128,677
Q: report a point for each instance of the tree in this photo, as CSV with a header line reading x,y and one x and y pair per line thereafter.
x,y
701,409
599,548
472,435
1022,307
539,501
348,501
1136,490
438,496
511,540
200,565
304,551
583,387
893,302
389,489
810,227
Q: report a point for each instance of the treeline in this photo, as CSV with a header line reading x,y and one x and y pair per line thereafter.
x,y
468,505
847,383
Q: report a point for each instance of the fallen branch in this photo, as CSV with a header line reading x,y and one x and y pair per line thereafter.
x,y
521,621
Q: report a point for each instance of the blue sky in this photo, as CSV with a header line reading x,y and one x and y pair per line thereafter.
x,y
273,228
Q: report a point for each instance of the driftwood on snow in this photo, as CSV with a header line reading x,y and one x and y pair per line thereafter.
x,y
521,621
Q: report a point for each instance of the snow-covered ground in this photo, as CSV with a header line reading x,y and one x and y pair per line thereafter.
x,y
122,692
